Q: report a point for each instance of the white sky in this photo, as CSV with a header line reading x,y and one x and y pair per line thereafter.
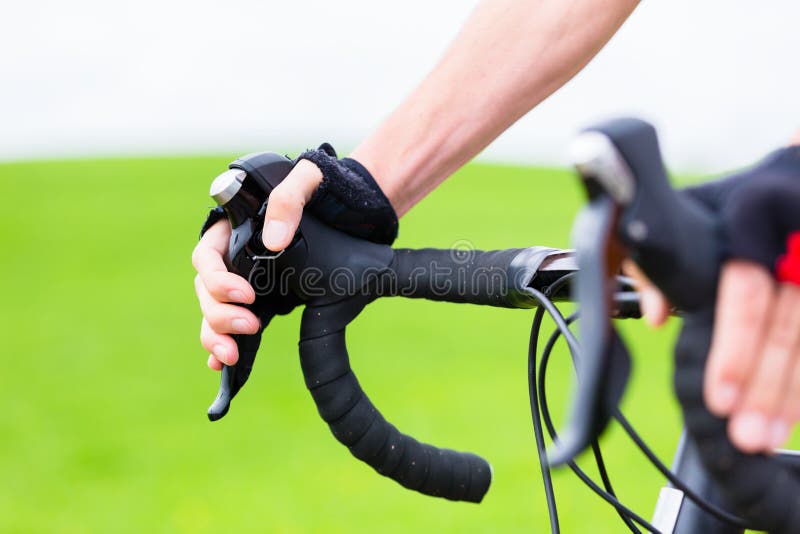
x,y
88,77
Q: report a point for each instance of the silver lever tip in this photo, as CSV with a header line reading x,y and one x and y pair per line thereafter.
x,y
226,185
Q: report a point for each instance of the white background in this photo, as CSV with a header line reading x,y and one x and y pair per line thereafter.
x,y
721,78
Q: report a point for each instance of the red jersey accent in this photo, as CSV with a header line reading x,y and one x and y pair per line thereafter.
x,y
788,265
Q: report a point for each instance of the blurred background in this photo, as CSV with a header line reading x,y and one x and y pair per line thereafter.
x,y
91,77
115,117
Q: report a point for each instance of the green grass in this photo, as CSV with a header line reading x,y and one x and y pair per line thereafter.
x,y
105,388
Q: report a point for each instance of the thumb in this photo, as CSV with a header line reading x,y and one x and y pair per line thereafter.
x,y
286,203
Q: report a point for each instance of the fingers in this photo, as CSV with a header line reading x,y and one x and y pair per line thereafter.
x,y
215,287
753,370
207,259
225,286
286,202
224,318
743,300
213,363
655,306
220,319
222,348
745,297
791,408
215,238
764,417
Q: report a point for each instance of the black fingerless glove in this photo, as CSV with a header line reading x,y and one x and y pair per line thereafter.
x,y
348,199
759,207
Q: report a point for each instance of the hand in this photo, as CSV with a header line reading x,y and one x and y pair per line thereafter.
x,y
753,370
219,291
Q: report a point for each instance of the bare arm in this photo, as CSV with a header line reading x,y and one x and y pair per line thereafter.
x,y
509,56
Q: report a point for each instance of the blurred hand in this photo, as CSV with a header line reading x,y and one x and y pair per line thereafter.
x,y
753,370
219,290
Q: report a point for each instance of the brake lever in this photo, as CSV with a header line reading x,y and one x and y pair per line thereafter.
x,y
625,218
242,191
603,367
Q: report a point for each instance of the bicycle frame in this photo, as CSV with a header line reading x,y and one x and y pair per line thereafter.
x,y
674,512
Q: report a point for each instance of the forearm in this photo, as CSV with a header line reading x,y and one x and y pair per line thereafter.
x,y
509,56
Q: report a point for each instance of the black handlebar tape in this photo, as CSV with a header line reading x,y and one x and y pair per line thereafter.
x,y
490,278
471,276
677,243
358,425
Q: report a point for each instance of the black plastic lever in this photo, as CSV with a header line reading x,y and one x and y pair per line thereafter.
x,y
603,367
242,192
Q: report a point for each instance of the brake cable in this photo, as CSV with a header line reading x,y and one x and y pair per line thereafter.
x,y
538,395
541,414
